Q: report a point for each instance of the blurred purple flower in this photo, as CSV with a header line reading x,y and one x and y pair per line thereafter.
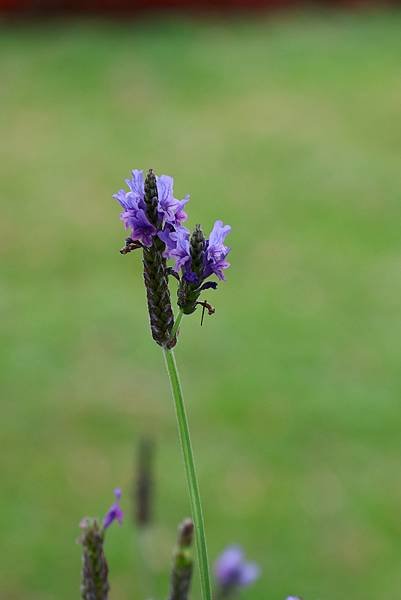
x,y
114,513
231,569
293,598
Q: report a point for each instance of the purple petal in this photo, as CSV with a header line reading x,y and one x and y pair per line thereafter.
x,y
170,209
179,248
218,233
142,229
216,251
169,236
136,184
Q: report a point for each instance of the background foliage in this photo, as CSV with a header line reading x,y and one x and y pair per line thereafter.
x,y
288,129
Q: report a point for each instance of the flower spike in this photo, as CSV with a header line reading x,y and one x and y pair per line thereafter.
x,y
181,575
198,259
95,571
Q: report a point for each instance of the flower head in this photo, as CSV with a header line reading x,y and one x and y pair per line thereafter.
x,y
155,218
114,513
198,258
214,252
170,213
232,570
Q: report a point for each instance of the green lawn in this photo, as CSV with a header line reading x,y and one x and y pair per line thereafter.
x,y
289,130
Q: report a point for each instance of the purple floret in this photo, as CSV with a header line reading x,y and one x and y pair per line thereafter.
x,y
134,217
216,251
170,209
114,513
141,229
178,248
232,570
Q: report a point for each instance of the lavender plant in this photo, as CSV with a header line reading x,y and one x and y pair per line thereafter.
x,y
95,570
155,218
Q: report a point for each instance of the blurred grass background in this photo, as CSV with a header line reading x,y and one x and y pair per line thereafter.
x,y
289,129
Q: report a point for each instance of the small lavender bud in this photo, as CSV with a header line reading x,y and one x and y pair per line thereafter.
x,y
94,581
151,196
189,290
143,485
197,250
181,574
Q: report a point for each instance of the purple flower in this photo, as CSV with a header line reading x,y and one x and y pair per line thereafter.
x,y
114,513
142,229
293,598
137,184
135,197
173,237
216,251
178,247
233,571
170,209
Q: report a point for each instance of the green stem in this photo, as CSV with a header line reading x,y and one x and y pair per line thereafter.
x,y
190,471
176,325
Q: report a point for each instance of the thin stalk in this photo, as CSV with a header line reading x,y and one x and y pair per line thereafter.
x,y
176,325
192,481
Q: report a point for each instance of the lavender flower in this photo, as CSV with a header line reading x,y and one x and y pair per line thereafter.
x,y
198,258
293,598
169,210
154,216
213,250
114,513
233,572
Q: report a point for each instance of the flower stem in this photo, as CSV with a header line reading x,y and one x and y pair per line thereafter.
x,y
190,471
176,325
